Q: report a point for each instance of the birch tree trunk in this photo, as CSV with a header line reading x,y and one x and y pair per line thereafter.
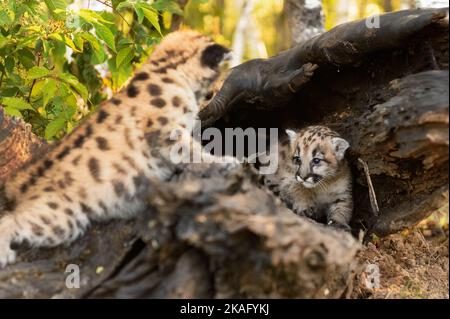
x,y
305,19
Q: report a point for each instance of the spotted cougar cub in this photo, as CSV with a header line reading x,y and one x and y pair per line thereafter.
x,y
316,178
102,169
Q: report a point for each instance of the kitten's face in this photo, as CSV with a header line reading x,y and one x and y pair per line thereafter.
x,y
316,153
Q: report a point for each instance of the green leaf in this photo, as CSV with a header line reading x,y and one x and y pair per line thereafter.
x,y
9,64
48,90
26,58
92,17
139,13
123,5
52,5
106,35
57,8
78,40
150,14
37,72
152,17
73,81
170,6
16,103
6,17
124,56
12,111
68,41
99,51
54,127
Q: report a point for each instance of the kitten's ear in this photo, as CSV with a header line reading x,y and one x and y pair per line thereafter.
x,y
340,146
213,55
292,135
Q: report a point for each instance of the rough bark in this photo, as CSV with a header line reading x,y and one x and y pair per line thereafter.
x,y
211,234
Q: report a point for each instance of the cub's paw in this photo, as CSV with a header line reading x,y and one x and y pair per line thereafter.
x,y
308,212
7,255
338,225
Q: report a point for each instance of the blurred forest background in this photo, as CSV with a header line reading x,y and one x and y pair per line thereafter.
x,y
59,59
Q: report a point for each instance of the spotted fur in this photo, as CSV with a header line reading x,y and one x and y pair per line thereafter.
x,y
101,170
314,176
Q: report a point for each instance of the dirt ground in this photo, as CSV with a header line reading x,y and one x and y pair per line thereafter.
x,y
413,264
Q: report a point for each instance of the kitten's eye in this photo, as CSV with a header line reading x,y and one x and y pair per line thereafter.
x,y
297,160
316,160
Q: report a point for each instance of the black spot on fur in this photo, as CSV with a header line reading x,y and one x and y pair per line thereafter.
x,y
68,211
48,164
45,220
161,70
23,188
63,153
119,169
213,55
158,102
86,209
141,76
102,143
37,230
167,80
176,101
119,188
88,130
153,137
94,168
40,171
116,101
58,231
149,123
132,90
49,189
52,205
102,115
129,160
118,119
154,89
102,205
67,198
128,140
163,120
76,160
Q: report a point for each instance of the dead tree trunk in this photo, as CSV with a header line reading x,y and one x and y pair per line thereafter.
x,y
208,233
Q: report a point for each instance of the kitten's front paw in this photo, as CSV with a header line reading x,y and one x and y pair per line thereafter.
x,y
307,212
7,255
338,225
